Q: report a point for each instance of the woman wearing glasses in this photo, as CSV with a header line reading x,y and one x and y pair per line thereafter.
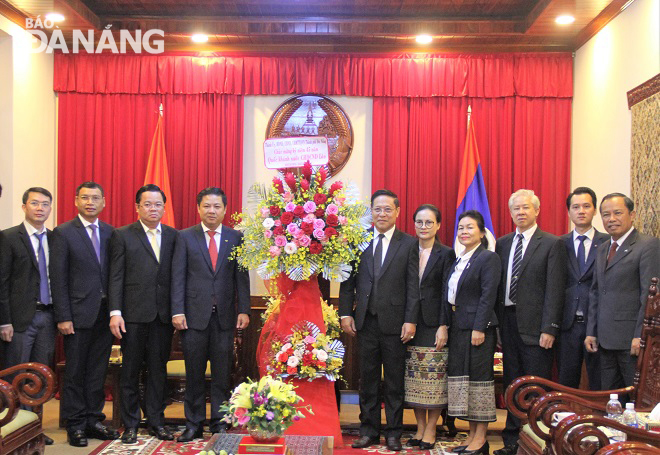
x,y
426,356
470,298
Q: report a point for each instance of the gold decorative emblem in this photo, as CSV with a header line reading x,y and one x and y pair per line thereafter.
x,y
314,115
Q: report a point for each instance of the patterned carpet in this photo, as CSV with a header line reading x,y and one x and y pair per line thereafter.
x,y
148,445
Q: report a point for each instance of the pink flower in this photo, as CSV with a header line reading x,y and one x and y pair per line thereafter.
x,y
268,234
309,339
287,197
289,206
265,212
280,240
342,220
340,200
240,412
299,234
309,218
243,420
292,229
309,207
319,223
305,240
275,251
332,209
319,233
278,223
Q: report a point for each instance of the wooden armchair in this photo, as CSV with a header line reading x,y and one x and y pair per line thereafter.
x,y
535,400
32,384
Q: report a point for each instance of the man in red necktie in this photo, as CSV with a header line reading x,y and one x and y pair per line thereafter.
x,y
617,301
210,298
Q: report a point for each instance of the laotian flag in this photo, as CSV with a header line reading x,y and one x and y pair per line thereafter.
x,y
471,189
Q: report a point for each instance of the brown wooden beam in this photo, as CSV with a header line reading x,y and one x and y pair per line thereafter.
x,y
609,12
534,14
12,13
81,11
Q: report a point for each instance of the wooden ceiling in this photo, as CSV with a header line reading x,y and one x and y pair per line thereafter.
x,y
338,25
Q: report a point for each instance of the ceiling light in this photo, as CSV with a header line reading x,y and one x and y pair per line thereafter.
x,y
200,38
55,17
423,39
565,19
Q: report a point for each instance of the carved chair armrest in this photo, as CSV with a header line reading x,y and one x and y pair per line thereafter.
x,y
629,448
34,383
570,435
9,402
523,391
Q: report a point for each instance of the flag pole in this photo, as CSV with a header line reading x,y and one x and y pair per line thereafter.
x,y
160,110
468,116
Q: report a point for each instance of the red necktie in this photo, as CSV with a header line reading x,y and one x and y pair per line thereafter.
x,y
213,249
612,252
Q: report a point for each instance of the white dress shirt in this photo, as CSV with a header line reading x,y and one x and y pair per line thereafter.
x,y
621,239
89,230
587,242
527,236
217,236
461,266
386,241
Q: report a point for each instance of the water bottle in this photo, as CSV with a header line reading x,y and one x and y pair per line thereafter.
x,y
615,412
630,416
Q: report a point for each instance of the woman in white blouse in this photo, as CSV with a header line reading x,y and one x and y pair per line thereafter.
x,y
471,295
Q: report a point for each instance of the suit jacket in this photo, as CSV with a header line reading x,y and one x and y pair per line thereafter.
x,y
541,284
476,292
19,277
432,285
196,287
617,300
140,284
78,282
397,291
577,284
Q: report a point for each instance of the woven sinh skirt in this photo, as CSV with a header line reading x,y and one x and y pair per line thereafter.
x,y
471,383
426,371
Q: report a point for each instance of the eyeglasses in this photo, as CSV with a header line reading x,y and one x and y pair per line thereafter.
x,y
157,205
386,210
94,199
35,204
427,223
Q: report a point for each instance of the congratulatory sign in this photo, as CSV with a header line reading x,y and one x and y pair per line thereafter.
x,y
286,152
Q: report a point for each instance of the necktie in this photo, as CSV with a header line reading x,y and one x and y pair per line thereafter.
x,y
378,255
95,242
213,249
582,261
515,268
612,252
154,243
44,289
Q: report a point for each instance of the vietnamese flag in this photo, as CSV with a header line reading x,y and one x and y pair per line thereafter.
x,y
157,172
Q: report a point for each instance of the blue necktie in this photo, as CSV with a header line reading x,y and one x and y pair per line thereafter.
x,y
582,261
95,242
44,289
515,268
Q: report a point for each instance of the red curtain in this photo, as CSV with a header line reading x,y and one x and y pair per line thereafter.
x,y
106,138
523,143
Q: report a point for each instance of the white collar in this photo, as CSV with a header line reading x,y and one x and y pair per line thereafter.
x,y
206,229
388,235
31,230
147,228
466,256
87,223
529,232
589,234
623,237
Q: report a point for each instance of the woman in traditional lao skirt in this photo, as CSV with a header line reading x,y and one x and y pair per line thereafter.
x,y
471,296
426,356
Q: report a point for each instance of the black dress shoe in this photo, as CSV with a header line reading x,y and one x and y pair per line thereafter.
x,y
484,449
449,422
129,436
189,434
458,449
161,433
412,442
423,445
511,449
394,444
77,438
100,431
365,441
48,441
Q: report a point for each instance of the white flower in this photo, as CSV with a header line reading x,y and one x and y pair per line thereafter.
x,y
286,347
290,248
293,361
268,223
299,353
321,355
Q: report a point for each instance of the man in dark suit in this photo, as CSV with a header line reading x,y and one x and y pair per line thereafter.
x,y
210,298
380,303
27,326
140,310
531,299
617,302
581,248
79,281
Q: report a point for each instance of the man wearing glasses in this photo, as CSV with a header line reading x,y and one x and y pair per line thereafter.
x,y
140,316
79,281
